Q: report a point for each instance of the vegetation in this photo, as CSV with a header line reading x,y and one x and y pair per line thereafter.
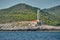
x,y
53,15
23,12
49,18
20,12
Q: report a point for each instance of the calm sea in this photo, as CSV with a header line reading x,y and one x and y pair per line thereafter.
x,y
30,35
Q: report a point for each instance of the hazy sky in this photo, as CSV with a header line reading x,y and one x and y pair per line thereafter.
x,y
36,3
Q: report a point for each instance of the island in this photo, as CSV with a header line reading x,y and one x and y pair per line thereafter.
x,y
23,17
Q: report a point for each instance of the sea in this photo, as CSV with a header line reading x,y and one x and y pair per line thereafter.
x,y
29,35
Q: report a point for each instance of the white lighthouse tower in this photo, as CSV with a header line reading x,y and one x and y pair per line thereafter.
x,y
38,17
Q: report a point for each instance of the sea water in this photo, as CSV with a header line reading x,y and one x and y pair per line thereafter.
x,y
29,35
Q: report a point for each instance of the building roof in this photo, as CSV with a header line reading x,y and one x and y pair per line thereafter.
x,y
34,20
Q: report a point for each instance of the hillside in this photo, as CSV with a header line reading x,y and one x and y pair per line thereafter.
x,y
19,12
54,15
54,10
24,12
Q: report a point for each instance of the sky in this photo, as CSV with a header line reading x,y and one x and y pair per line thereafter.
x,y
36,3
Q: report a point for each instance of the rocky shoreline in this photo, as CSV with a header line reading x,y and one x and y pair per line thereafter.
x,y
56,30
18,27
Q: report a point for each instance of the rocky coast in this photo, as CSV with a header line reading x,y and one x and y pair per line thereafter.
x,y
22,26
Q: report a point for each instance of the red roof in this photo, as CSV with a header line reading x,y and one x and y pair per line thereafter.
x,y
34,20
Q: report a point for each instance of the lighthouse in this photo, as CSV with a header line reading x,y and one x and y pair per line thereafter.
x,y
37,22
38,15
38,18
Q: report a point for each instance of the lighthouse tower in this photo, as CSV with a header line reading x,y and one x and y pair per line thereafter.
x,y
38,18
38,15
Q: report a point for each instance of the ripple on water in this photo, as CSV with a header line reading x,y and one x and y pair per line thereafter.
x,y
30,35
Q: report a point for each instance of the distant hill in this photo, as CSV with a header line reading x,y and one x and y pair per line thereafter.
x,y
54,15
54,10
24,12
19,12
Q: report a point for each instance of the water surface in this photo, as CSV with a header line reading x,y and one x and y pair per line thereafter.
x,y
30,35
